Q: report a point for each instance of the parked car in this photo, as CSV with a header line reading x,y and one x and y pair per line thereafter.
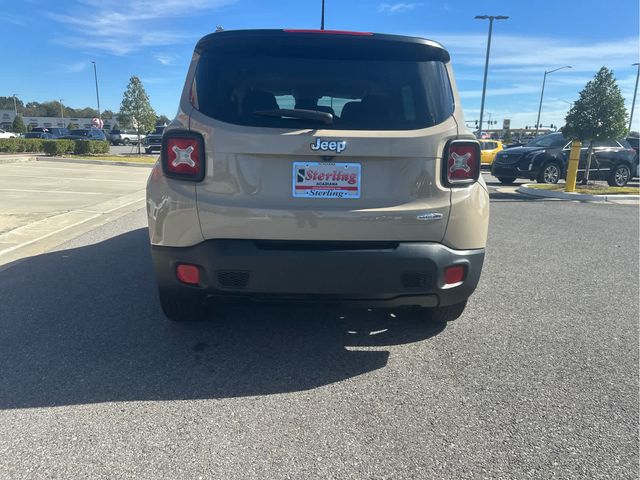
x,y
634,142
57,132
5,134
125,137
318,165
153,141
545,160
85,134
489,150
41,135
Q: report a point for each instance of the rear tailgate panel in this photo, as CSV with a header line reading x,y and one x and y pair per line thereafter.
x,y
247,189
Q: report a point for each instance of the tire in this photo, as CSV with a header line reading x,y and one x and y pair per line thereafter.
x,y
183,308
442,314
126,141
506,180
619,176
550,173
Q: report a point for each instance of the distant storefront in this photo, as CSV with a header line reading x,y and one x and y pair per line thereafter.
x,y
7,116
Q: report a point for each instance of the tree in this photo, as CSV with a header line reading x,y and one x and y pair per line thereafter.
x,y
18,125
72,126
598,114
136,110
163,120
6,103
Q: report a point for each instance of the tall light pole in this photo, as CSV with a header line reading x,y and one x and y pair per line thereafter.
x,y
542,94
491,18
62,111
635,91
322,17
95,75
15,105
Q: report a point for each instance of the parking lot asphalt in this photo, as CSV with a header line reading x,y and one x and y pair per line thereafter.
x,y
45,203
537,379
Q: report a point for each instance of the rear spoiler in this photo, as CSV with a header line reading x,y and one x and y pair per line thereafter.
x,y
339,44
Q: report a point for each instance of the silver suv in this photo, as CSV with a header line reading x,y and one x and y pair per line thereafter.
x,y
318,165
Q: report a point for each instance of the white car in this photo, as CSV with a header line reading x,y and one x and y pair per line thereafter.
x,y
5,134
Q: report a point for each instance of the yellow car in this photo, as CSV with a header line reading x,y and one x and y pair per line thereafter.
x,y
489,148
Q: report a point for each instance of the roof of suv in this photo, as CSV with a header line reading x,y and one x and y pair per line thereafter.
x,y
313,37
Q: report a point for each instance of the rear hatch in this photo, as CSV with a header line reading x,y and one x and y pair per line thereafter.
x,y
312,136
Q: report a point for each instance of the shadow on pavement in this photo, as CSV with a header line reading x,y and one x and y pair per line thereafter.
x,y
83,325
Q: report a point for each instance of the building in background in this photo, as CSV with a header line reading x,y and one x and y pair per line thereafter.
x,y
7,116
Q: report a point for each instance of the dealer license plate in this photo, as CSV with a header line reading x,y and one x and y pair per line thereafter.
x,y
326,180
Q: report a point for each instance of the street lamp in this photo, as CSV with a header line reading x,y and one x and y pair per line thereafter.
x,y
542,94
635,91
491,18
95,75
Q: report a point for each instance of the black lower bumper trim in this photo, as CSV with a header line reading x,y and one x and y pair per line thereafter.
x,y
391,273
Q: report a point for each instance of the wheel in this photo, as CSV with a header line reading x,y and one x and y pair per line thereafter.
x,y
126,141
506,180
619,176
183,308
550,173
442,314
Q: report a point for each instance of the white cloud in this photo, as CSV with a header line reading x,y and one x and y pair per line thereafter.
x,y
397,7
517,67
495,92
76,67
164,58
122,27
536,54
17,20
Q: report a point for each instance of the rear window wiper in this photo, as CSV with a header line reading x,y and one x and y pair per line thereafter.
x,y
324,117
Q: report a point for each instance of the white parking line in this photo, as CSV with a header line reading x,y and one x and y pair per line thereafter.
x,y
72,178
51,191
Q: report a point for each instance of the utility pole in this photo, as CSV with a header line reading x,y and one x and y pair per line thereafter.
x,y
15,105
322,17
491,18
95,75
635,91
62,111
542,93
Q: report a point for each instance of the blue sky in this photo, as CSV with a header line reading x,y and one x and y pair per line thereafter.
x,y
49,45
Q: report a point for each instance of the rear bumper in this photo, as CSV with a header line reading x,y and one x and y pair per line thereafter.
x,y
371,273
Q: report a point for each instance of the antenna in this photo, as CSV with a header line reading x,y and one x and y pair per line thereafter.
x,y
322,18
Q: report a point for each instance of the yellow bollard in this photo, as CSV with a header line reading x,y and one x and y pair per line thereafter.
x,y
572,166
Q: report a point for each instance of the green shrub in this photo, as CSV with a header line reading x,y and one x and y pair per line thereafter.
x,y
82,147
8,145
99,147
90,147
58,147
53,147
21,145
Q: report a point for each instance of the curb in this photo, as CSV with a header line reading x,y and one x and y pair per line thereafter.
x,y
92,162
581,197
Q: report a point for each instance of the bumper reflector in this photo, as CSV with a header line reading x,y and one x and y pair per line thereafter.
x,y
454,274
189,274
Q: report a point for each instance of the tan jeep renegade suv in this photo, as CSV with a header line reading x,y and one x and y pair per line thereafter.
x,y
318,165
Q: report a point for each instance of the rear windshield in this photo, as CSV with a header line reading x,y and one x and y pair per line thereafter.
x,y
552,141
362,92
